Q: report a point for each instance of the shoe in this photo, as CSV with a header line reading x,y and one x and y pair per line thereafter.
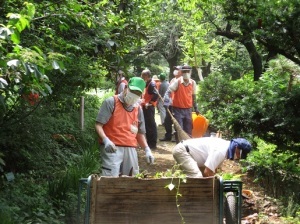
x,y
153,147
165,139
174,140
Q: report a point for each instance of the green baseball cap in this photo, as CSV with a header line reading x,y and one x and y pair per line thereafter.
x,y
162,76
137,83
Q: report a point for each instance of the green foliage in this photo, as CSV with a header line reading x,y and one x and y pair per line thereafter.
x,y
53,151
25,201
67,181
266,157
230,176
290,211
267,109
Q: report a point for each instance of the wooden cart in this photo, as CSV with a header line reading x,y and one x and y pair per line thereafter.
x,y
120,200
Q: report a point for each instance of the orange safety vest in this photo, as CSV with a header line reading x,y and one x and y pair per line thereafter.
x,y
147,97
118,128
183,96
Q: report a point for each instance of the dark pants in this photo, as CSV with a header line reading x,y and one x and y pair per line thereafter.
x,y
184,118
151,129
168,124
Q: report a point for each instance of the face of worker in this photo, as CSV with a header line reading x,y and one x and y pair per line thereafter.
x,y
186,74
132,96
237,153
145,77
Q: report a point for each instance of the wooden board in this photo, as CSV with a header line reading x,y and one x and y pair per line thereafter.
x,y
116,200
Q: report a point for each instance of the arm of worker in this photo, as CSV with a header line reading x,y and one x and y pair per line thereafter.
x,y
153,92
109,146
143,143
208,172
195,105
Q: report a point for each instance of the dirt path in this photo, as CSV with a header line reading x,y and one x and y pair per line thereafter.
x,y
256,209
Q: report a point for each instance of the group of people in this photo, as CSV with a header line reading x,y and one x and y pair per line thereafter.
x,y
127,120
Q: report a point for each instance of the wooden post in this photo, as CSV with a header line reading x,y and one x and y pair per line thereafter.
x,y
82,113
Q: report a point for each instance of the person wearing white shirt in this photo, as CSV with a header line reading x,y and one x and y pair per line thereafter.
x,y
207,154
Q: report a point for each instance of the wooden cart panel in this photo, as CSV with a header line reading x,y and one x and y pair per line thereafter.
x,y
118,200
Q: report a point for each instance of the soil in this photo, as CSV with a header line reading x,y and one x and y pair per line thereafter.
x,y
257,208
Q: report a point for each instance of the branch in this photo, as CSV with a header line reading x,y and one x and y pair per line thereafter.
x,y
229,35
209,17
279,51
43,17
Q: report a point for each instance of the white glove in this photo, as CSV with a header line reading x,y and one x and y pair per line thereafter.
x,y
149,156
109,146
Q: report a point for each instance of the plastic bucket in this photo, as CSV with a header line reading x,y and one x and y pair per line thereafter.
x,y
200,125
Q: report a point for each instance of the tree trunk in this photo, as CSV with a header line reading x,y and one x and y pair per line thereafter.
x,y
172,62
206,68
254,56
246,40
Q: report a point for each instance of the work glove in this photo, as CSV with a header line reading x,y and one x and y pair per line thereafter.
x,y
109,146
149,156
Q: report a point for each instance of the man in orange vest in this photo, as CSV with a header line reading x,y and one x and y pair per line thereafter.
x,y
150,97
184,101
120,127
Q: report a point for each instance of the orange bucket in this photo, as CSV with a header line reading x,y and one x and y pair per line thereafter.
x,y
200,124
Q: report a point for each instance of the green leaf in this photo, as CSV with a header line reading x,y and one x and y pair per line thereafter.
x,y
30,9
37,49
37,73
21,24
89,24
15,37
48,88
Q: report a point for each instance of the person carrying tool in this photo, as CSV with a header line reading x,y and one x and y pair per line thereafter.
x,y
184,101
206,154
120,127
168,106
164,85
149,101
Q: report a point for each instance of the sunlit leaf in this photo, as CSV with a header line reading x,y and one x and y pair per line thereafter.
x,y
4,32
55,65
15,37
111,43
13,63
171,186
48,88
3,82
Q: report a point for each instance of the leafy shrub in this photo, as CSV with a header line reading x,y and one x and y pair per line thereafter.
x,y
267,109
25,201
278,172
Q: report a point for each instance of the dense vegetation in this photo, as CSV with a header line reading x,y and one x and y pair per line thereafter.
x,y
54,52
